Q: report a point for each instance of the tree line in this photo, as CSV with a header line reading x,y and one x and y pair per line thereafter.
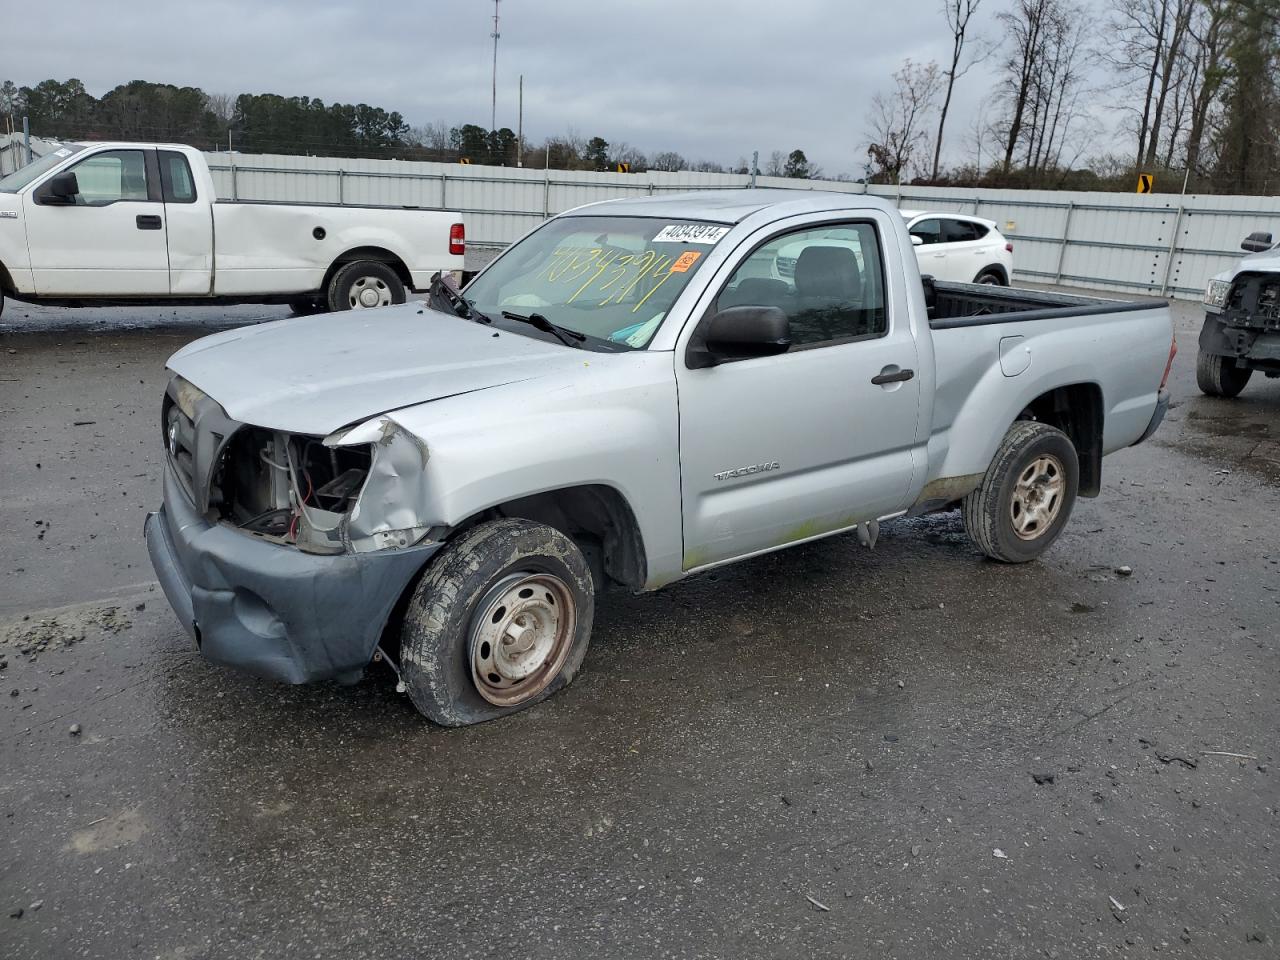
x,y
1197,82
268,123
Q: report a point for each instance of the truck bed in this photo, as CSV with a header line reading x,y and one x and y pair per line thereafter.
x,y
969,304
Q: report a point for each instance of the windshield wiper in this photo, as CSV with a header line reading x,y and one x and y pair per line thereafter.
x,y
444,295
570,338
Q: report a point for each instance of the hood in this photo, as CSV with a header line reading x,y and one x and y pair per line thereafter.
x,y
316,374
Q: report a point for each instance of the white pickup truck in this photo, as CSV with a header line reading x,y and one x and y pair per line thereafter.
x,y
140,223
629,395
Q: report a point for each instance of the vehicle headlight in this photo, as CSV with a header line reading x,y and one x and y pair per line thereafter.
x,y
1215,293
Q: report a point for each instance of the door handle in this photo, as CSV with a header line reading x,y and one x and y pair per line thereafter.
x,y
148,221
894,376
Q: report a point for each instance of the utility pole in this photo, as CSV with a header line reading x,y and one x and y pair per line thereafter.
x,y
26,136
493,115
520,126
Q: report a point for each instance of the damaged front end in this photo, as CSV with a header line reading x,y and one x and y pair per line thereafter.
x,y
313,493
285,554
1244,319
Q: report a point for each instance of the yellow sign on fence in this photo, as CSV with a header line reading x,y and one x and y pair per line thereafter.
x,y
624,168
1146,182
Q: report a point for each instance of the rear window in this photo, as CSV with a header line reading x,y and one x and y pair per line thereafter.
x,y
963,231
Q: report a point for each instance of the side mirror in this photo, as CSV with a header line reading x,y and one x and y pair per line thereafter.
x,y
61,188
1256,242
739,333
917,241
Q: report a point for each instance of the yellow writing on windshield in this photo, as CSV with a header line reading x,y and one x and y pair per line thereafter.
x,y
610,273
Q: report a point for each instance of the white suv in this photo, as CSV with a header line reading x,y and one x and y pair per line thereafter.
x,y
960,249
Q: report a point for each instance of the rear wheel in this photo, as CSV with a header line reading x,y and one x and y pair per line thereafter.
x,y
364,284
990,278
1219,376
500,621
1026,495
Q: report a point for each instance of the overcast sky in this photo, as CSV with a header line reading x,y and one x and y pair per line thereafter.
x,y
711,79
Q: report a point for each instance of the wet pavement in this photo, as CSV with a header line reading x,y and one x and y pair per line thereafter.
x,y
828,752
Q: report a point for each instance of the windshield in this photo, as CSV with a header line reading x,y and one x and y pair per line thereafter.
x,y
612,279
24,175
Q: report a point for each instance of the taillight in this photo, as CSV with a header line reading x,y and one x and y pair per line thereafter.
x,y
1173,352
457,240
1008,248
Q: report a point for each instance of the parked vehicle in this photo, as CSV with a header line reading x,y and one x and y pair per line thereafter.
x,y
627,396
959,248
140,223
1241,331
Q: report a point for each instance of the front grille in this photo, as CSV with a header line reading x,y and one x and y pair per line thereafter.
x,y
180,443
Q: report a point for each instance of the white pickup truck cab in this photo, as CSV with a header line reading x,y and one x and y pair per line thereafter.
x,y
633,393
140,223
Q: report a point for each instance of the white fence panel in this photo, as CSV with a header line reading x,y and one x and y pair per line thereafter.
x,y
1158,245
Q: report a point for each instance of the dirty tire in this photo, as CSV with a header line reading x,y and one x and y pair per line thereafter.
x,y
306,306
1219,376
353,278
991,278
436,655
987,511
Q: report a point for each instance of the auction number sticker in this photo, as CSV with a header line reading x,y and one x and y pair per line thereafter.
x,y
690,233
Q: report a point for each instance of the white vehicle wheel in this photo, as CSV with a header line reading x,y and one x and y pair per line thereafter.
x,y
363,285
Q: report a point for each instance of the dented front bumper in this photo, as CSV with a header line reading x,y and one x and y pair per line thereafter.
x,y
270,608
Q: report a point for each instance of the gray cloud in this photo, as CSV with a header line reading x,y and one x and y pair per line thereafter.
x,y
712,80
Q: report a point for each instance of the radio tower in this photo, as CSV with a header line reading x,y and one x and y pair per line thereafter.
x,y
493,113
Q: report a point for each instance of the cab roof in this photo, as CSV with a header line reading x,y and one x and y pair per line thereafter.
x,y
732,205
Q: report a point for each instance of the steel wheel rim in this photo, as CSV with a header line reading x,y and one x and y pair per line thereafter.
x,y
367,292
1037,497
520,637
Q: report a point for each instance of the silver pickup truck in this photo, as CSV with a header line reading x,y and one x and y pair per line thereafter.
x,y
635,392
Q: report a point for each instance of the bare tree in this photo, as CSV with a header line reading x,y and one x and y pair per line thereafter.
x,y
1024,25
668,160
1208,50
222,106
958,14
776,165
897,119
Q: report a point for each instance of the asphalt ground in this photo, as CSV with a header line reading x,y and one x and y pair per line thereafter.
x,y
908,752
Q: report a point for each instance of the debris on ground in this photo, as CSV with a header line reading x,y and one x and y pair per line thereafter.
x,y
999,854
75,730
30,638
821,906
1044,778
1124,571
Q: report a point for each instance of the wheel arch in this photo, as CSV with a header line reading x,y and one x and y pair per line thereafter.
x,y
375,253
595,516
1077,410
7,286
996,268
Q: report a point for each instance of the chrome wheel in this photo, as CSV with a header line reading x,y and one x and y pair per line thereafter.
x,y
520,637
369,292
1037,497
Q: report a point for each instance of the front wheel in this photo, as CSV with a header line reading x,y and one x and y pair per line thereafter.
x,y
500,621
1218,376
1026,494
364,284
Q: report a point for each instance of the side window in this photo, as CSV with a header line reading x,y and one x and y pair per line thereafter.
x,y
110,177
961,231
930,231
827,280
175,178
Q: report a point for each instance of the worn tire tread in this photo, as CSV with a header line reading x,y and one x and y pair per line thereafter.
x,y
982,510
434,624
1216,379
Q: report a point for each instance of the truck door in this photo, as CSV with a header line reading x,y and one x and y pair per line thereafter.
x,y
109,238
784,448
189,218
